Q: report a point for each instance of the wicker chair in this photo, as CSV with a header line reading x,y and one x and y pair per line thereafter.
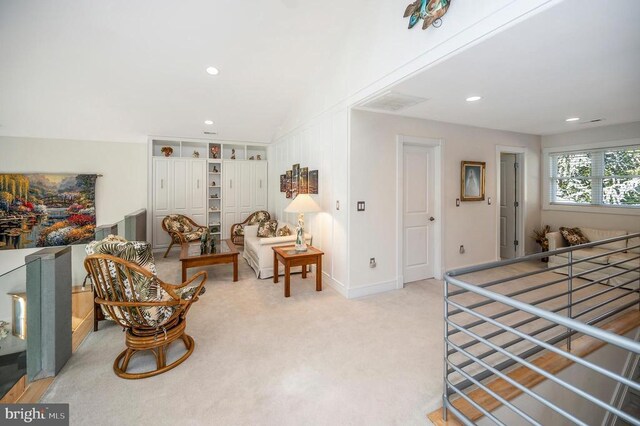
x,y
237,229
152,312
181,229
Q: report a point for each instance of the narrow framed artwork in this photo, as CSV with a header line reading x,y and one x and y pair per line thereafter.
x,y
472,180
313,182
295,177
283,183
303,185
288,179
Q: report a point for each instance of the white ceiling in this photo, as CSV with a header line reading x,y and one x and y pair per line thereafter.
x,y
121,70
577,59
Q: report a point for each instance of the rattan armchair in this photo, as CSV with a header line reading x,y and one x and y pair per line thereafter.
x,y
181,229
237,229
152,312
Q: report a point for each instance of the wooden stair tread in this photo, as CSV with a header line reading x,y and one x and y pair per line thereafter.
x,y
550,362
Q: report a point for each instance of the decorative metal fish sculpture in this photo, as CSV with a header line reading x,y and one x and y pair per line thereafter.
x,y
431,11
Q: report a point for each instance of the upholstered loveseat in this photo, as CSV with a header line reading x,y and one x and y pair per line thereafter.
x,y
258,251
627,259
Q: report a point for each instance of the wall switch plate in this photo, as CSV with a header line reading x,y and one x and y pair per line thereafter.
x,y
360,206
457,202
372,262
462,250
337,204
489,200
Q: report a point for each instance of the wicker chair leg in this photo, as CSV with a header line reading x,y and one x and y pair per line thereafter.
x,y
169,248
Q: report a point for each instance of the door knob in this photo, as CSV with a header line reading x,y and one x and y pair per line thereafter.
x,y
431,219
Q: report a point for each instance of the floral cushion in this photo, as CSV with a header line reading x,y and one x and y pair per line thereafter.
x,y
284,231
573,236
177,223
267,229
194,235
140,288
260,216
238,230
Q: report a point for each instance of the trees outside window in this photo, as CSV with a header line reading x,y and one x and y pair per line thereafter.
x,y
605,177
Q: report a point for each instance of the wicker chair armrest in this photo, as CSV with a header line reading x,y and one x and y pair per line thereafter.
x,y
137,304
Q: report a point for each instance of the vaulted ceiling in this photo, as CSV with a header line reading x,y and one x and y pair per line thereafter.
x,y
121,70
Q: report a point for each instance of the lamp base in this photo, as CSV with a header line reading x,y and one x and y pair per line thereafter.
x,y
301,244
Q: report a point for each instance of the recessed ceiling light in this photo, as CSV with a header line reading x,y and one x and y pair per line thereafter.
x,y
572,119
474,98
209,122
213,71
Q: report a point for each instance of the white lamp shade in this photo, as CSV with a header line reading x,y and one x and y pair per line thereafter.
x,y
303,203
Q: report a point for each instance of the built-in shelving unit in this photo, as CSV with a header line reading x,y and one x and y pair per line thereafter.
x,y
214,157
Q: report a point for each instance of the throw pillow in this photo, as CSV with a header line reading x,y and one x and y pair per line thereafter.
x,y
267,229
573,236
284,231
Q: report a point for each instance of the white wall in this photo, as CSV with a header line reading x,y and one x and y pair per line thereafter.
x,y
582,216
321,144
121,190
373,179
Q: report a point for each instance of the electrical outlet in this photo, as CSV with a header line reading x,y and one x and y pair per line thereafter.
x,y
337,204
360,206
372,262
462,250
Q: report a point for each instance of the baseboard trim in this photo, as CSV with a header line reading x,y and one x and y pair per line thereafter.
x,y
336,285
370,289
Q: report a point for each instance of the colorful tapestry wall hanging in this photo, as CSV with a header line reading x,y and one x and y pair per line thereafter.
x,y
43,210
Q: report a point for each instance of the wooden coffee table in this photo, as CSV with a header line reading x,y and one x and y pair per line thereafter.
x,y
226,253
289,257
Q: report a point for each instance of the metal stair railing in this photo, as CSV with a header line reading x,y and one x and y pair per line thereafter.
x,y
488,333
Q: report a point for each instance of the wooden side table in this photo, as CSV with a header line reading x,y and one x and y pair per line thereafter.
x,y
289,257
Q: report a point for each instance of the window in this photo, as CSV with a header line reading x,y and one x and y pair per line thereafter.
x,y
608,177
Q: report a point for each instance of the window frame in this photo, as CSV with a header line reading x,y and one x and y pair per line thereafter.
x,y
547,204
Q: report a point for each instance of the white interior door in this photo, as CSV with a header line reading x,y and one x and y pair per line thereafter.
x,y
418,212
161,202
508,206
180,188
245,189
199,191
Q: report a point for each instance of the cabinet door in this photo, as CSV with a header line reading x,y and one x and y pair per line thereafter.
x,y
260,184
161,180
160,236
229,191
180,190
245,188
198,187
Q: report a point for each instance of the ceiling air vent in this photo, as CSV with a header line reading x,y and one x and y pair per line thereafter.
x,y
392,102
210,133
595,120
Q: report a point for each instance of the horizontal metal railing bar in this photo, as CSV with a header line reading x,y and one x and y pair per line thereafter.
x,y
628,305
475,404
535,256
607,290
532,351
552,268
519,386
594,282
560,352
509,311
558,381
495,395
515,293
447,405
36,259
606,336
546,299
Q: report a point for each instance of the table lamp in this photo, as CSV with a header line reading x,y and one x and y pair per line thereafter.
x,y
302,204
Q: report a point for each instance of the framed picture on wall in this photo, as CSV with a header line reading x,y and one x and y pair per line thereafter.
x,y
295,177
313,182
472,180
288,175
283,183
303,185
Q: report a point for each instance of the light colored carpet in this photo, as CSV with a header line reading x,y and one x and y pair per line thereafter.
x,y
261,359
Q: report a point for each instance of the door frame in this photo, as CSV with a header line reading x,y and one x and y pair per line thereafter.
x,y
521,156
437,145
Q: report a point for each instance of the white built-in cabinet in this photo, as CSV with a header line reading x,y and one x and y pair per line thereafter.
x,y
179,187
245,190
213,190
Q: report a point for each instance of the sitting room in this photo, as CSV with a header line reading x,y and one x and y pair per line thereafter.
x,y
350,213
